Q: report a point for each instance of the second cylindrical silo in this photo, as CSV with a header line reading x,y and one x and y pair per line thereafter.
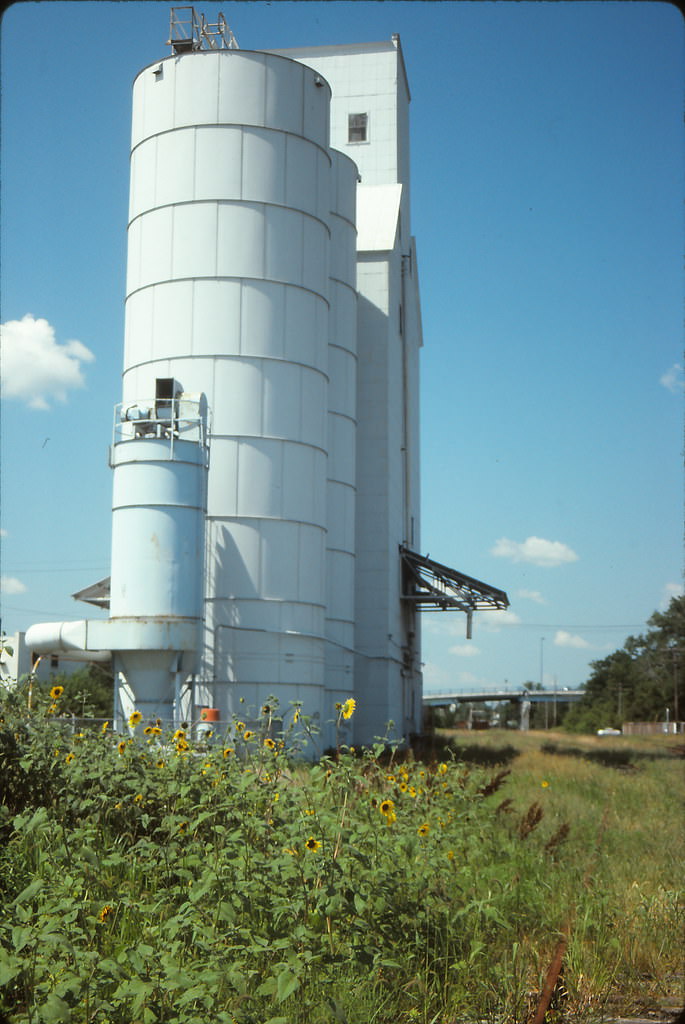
x,y
342,427
228,294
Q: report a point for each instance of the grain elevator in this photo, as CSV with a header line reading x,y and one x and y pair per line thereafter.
x,y
266,450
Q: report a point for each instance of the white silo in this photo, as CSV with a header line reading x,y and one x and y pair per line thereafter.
x,y
159,458
228,292
342,426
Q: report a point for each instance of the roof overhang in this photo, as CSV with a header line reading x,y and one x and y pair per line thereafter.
x,y
434,587
96,594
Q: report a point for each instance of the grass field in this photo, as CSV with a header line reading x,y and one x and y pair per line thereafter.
x,y
163,879
623,799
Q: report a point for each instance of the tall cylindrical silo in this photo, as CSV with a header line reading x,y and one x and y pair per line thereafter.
x,y
342,425
227,292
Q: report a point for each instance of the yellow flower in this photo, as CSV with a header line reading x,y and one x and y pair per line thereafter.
x,y
148,730
412,791
544,783
240,726
312,844
121,746
266,710
389,778
104,913
52,709
179,735
442,769
387,807
138,798
156,731
182,746
348,707
69,758
105,727
403,787
296,716
182,826
391,818
248,734
134,718
268,742
56,692
161,764
450,854
423,830
228,751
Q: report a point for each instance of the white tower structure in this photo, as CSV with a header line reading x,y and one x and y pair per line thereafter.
x,y
370,123
272,315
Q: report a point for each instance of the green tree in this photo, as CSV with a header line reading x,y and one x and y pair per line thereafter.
x,y
640,681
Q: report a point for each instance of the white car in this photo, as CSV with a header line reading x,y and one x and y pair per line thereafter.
x,y
609,732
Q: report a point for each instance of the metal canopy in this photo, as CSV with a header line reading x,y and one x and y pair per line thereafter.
x,y
96,593
435,587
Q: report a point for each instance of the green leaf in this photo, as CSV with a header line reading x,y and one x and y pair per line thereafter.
x,y
267,988
55,1010
287,984
30,891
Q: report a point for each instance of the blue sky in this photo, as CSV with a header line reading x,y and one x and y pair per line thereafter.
x,y
547,169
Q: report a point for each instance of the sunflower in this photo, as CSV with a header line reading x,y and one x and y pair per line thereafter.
x,y
450,854
56,692
228,751
312,844
104,913
266,710
296,716
69,758
105,727
248,734
387,807
148,730
423,830
347,710
268,742
155,731
182,745
442,769
121,746
240,726
134,718
179,735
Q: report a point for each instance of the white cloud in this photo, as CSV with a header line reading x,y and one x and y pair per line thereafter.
x,y
435,678
547,553
671,590
35,368
674,379
531,595
564,639
3,532
11,585
465,650
493,620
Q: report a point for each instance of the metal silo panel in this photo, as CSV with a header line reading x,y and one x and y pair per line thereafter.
x,y
237,267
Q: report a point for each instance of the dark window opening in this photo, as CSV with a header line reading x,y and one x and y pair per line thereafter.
x,y
358,128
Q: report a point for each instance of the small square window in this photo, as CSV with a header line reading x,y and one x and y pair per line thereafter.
x,y
358,128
